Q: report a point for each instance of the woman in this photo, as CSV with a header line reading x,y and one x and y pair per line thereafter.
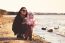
x,y
20,26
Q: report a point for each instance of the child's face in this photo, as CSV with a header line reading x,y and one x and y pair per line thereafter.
x,y
31,16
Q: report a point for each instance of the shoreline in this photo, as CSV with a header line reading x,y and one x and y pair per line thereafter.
x,y
5,32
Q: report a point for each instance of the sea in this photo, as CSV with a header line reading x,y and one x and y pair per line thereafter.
x,y
51,22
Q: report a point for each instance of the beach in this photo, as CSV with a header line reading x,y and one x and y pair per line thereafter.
x,y
49,21
7,35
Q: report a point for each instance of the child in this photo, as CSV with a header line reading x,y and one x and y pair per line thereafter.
x,y
30,23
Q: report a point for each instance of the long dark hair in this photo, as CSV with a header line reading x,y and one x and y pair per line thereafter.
x,y
19,17
21,10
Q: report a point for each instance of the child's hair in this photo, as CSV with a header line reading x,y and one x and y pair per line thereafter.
x,y
30,15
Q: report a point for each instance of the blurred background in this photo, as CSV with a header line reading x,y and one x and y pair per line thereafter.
x,y
47,13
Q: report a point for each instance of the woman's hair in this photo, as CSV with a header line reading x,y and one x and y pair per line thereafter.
x,y
21,10
19,17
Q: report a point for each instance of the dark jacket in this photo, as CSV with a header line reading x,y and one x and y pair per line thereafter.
x,y
17,26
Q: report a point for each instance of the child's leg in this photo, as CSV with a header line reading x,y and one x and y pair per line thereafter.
x,y
30,35
26,35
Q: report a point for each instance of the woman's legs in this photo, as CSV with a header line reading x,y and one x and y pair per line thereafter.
x,y
20,36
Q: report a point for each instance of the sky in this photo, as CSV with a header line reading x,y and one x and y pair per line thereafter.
x,y
45,6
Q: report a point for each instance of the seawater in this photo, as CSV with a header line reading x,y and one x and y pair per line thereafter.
x,y
50,21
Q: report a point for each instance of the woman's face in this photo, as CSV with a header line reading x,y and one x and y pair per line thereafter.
x,y
23,11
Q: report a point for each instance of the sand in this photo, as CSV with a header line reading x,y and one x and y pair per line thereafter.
x,y
7,36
